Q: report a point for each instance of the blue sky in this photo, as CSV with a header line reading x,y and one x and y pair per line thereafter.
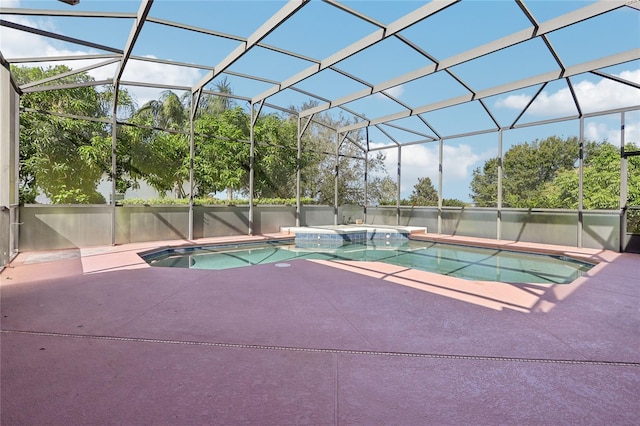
x,y
319,29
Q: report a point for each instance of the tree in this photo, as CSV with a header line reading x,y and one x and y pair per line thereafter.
x,y
527,167
222,154
424,194
55,154
484,184
601,181
318,172
216,104
276,157
159,157
382,190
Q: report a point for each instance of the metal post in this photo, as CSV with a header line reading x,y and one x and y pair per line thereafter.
x,y
499,189
366,185
624,196
192,154
399,183
581,183
366,176
298,176
440,150
251,169
114,136
301,129
335,190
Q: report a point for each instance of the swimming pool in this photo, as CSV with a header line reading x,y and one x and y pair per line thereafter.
x,y
459,261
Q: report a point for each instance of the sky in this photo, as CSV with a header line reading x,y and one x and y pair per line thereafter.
x,y
319,29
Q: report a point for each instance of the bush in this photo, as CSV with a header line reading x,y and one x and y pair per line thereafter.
x,y
208,201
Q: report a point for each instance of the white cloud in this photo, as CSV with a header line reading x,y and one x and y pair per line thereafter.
x,y
420,161
596,131
151,72
513,101
602,95
10,3
395,91
601,131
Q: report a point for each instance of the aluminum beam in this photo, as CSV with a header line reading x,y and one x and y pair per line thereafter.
x,y
563,21
616,59
61,37
193,28
64,13
265,29
67,86
373,38
69,73
143,11
61,58
616,78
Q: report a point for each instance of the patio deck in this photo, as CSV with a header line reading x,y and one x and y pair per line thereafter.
x,y
96,336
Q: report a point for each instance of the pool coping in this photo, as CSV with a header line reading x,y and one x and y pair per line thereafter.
x,y
560,252
588,255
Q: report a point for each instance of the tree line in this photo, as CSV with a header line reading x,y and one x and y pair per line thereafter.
x,y
65,158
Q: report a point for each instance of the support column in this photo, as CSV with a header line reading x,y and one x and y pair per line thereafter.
x,y
298,175
335,186
301,130
440,151
254,118
366,185
499,189
580,182
624,194
114,166
399,182
9,161
195,100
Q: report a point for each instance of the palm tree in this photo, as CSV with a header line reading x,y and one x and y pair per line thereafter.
x,y
217,104
167,112
159,157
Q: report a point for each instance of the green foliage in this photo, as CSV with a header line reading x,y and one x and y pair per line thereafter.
x,y
65,158
544,175
207,201
424,194
382,191
222,154
526,169
55,152
276,157
453,202
484,184
601,181
319,164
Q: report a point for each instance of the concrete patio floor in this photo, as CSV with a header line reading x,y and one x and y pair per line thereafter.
x,y
96,336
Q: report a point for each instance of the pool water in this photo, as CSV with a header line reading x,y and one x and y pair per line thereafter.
x,y
447,259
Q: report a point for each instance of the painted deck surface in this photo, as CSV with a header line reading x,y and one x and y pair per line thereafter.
x,y
96,336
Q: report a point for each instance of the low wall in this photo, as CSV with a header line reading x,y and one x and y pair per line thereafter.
x,y
51,227
5,245
601,228
47,227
